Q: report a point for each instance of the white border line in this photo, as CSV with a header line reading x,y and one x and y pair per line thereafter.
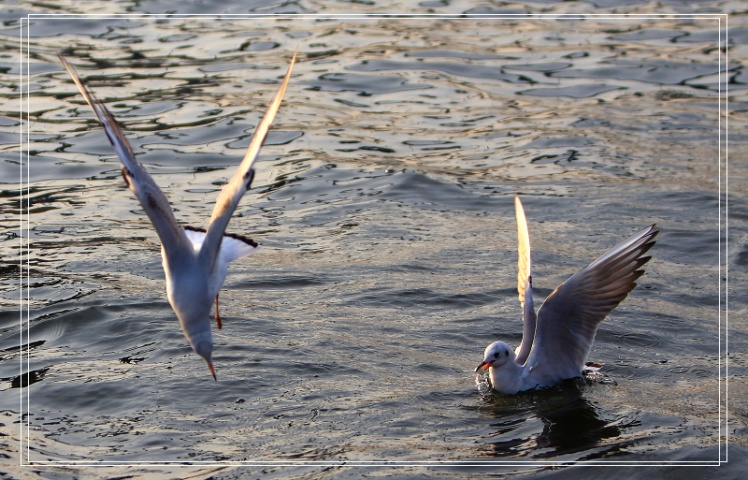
x,y
724,154
25,243
719,230
26,220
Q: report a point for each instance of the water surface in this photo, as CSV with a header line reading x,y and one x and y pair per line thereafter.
x,y
384,204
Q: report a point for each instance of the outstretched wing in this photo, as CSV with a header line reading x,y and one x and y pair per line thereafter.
x,y
524,283
569,317
152,199
233,191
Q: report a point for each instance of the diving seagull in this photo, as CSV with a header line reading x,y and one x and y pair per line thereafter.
x,y
195,261
556,341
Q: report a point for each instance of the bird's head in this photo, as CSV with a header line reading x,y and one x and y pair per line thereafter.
x,y
192,303
202,344
496,355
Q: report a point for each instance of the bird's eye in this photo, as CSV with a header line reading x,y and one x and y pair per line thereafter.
x,y
497,355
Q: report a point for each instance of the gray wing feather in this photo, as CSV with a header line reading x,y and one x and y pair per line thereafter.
x,y
151,198
569,317
233,191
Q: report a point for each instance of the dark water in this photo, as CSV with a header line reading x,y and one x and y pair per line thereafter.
x,y
384,203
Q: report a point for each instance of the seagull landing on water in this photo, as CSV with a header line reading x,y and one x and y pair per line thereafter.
x,y
556,341
195,261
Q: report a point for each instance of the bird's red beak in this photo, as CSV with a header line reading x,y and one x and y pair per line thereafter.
x,y
212,371
483,366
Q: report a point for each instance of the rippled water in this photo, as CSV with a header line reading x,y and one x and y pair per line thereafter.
x,y
384,204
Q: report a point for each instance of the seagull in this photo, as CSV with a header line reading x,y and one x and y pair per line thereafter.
x,y
556,341
195,261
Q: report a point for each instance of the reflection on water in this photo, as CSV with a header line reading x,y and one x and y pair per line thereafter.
x,y
570,425
383,201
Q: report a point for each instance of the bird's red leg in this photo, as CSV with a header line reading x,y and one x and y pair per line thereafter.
x,y
218,316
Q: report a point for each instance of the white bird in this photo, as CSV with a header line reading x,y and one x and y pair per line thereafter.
x,y
556,342
195,261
